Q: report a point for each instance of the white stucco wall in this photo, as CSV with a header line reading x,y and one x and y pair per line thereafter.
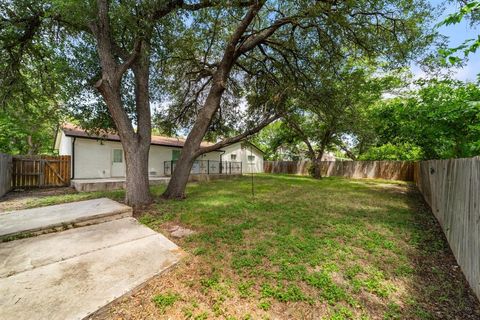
x,y
159,154
242,155
93,158
64,145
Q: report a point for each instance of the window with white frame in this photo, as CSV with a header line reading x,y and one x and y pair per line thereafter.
x,y
233,157
251,158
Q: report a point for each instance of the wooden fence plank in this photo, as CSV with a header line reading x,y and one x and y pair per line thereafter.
x,y
452,190
392,170
41,171
5,173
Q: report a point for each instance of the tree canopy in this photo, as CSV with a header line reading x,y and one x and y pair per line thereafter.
x,y
469,10
439,120
213,68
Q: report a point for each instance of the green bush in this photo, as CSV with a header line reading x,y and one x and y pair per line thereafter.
x,y
405,151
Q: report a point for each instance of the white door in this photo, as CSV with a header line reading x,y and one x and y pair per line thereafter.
x,y
118,163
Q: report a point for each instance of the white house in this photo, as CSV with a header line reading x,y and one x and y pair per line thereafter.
x,y
247,153
96,157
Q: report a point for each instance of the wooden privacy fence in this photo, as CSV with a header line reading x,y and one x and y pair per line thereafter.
x,y
452,190
288,167
5,173
392,170
40,171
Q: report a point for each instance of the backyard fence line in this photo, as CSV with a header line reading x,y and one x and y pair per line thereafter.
x,y
40,171
450,187
452,190
5,173
391,170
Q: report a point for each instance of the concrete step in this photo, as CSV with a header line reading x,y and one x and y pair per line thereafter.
x,y
60,217
73,273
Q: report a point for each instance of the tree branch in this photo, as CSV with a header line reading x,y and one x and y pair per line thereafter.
x,y
349,153
253,40
122,68
237,138
292,124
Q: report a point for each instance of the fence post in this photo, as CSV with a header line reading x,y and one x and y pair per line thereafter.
x,y
208,166
41,178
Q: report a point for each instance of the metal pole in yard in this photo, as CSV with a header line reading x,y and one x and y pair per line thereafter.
x,y
251,170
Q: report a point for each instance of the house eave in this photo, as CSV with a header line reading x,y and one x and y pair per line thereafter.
x,y
116,140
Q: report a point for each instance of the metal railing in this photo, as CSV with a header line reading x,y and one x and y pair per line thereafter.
x,y
207,167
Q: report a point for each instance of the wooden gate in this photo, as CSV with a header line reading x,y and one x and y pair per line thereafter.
x,y
40,171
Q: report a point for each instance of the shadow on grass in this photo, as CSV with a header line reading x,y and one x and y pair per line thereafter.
x,y
352,248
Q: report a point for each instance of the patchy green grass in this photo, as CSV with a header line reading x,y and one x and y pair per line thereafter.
x,y
163,301
300,249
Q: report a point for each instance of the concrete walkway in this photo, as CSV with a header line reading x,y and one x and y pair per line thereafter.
x,y
73,273
62,216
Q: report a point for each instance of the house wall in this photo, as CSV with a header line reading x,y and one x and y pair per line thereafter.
x,y
242,155
65,145
159,154
93,158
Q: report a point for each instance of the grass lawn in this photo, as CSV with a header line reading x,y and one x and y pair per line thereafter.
x,y
300,249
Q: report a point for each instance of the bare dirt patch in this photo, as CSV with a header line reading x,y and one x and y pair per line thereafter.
x,y
19,199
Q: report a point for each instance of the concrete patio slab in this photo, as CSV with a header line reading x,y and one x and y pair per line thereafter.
x,y
71,274
60,217
26,254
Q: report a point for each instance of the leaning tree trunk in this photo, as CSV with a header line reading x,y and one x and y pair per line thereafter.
x,y
191,150
178,182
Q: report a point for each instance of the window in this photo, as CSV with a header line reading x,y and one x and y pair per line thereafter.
x,y
233,157
251,158
117,155
175,155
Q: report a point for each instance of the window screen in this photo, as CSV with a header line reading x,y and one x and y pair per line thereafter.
x,y
117,155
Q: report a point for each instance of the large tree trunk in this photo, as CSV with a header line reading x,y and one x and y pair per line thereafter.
x,y
136,144
137,192
138,185
317,164
317,169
